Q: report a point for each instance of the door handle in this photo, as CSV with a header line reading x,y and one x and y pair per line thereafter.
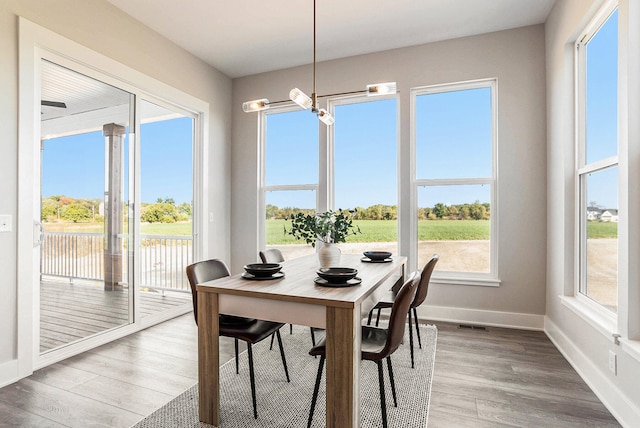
x,y
38,233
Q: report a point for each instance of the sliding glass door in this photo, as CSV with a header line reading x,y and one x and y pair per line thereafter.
x,y
116,207
85,200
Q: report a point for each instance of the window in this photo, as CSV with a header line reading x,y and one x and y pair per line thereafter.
x,y
455,182
597,164
289,175
365,177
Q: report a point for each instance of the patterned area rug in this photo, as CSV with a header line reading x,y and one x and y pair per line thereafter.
x,y
282,404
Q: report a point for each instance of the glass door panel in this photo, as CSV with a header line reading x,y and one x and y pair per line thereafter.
x,y
166,207
84,286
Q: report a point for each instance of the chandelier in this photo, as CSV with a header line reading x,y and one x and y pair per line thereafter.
x,y
311,102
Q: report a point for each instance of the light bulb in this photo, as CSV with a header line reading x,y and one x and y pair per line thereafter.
x,y
326,117
300,98
255,105
381,89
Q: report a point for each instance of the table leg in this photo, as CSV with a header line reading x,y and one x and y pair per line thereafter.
x,y
208,359
343,367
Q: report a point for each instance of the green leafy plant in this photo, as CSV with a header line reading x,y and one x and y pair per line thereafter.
x,y
328,227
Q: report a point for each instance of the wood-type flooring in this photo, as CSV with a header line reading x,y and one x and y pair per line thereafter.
x,y
493,378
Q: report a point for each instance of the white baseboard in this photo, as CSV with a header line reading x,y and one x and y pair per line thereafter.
x,y
8,373
480,317
623,409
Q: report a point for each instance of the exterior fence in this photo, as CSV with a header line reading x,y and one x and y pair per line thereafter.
x,y
162,259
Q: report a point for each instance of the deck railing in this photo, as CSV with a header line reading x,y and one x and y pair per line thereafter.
x,y
162,259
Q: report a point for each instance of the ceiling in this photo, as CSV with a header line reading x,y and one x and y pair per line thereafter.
x,y
245,37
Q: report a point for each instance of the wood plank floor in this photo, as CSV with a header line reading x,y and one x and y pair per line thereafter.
x,y
492,378
70,312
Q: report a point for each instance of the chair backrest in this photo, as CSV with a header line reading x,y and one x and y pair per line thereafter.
x,y
199,272
425,277
272,255
398,317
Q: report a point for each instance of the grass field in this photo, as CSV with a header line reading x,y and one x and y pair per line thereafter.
x,y
170,229
372,230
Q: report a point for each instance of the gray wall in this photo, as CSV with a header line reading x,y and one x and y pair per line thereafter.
x,y
516,59
98,25
580,334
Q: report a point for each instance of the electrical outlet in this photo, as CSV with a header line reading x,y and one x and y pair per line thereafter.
x,y
5,223
613,362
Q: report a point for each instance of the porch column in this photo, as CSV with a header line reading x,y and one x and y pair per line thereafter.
x,y
113,206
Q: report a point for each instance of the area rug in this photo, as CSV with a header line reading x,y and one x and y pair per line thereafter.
x,y
282,404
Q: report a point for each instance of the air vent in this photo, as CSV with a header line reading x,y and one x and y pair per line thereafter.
x,y
472,327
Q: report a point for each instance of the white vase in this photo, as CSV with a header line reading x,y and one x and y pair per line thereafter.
x,y
329,255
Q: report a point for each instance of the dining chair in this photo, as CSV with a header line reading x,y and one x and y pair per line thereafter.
x,y
387,301
377,344
273,255
249,330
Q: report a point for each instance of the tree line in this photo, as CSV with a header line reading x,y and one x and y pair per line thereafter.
x,y
85,210
440,211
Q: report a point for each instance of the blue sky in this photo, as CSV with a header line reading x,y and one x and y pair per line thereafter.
x,y
74,166
453,141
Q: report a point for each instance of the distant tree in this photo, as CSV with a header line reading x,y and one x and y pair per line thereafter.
x,y
159,213
76,212
440,210
186,209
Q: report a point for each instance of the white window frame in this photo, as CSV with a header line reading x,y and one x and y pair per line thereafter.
x,y
359,99
491,278
606,318
264,188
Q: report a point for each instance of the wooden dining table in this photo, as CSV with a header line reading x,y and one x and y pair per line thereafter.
x,y
297,299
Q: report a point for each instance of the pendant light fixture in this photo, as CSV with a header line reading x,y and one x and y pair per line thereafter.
x,y
311,102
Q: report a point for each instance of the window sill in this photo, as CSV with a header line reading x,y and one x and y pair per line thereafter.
x,y
464,280
604,324
632,348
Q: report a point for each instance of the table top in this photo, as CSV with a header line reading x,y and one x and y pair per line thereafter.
x,y
298,285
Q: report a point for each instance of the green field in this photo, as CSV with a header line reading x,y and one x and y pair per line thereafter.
x,y
372,230
387,231
597,229
169,229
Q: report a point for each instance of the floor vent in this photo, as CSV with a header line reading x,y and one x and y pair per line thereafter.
x,y
472,327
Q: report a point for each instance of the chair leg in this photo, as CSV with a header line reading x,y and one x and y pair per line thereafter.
x,y
411,338
253,381
237,362
415,319
315,391
284,359
369,318
393,382
378,317
313,336
290,328
272,337
383,403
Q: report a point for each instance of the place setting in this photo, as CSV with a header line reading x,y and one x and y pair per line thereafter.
x,y
337,277
377,257
262,271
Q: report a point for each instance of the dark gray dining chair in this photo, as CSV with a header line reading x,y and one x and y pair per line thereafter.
x,y
377,344
249,330
273,255
387,302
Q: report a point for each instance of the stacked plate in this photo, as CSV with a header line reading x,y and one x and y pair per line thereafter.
x,y
337,277
262,271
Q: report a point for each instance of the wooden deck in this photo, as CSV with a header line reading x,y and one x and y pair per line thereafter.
x,y
70,312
